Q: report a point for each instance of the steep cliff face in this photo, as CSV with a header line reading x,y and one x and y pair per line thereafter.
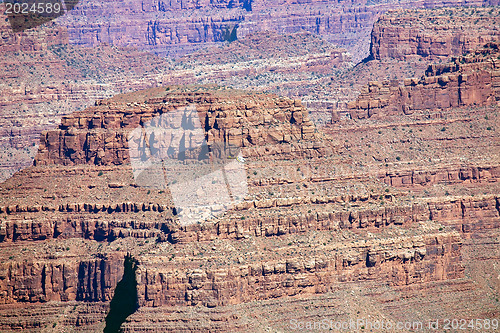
x,y
404,41
305,228
177,28
99,135
378,217
397,262
473,79
433,33
45,78
31,40
65,278
312,223
58,285
434,137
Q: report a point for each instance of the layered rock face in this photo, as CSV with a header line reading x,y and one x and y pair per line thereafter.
x,y
372,217
403,42
35,98
266,127
317,221
44,78
177,28
433,33
66,278
435,138
424,259
296,65
473,79
99,135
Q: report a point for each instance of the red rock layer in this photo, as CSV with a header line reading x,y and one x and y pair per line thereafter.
x,y
473,79
177,28
300,232
418,260
99,135
60,279
433,33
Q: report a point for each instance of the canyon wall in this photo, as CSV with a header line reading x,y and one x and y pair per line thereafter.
x,y
472,79
433,33
100,135
62,279
44,78
177,28
413,260
366,201
311,224
85,68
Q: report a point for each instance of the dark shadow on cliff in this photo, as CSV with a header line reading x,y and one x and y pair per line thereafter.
x,y
230,34
124,301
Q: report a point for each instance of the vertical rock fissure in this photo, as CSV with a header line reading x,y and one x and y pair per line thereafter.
x,y
44,279
124,301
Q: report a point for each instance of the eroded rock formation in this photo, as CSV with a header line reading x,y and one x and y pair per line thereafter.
x,y
433,33
372,216
473,79
312,224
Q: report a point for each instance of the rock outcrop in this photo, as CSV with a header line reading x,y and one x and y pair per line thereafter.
x,y
99,135
412,260
176,28
312,224
34,97
62,279
371,216
472,79
433,34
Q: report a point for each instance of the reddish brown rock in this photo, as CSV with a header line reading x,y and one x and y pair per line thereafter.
x,y
58,279
177,28
472,79
99,135
314,222
435,33
404,263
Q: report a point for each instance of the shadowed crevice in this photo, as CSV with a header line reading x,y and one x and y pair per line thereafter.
x,y
124,301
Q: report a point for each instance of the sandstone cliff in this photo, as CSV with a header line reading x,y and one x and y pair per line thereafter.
x,y
433,33
472,79
312,225
99,135
176,28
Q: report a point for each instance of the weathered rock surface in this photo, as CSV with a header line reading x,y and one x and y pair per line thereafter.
x,y
311,225
66,278
395,261
43,78
473,79
375,217
34,97
99,135
433,33
177,28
